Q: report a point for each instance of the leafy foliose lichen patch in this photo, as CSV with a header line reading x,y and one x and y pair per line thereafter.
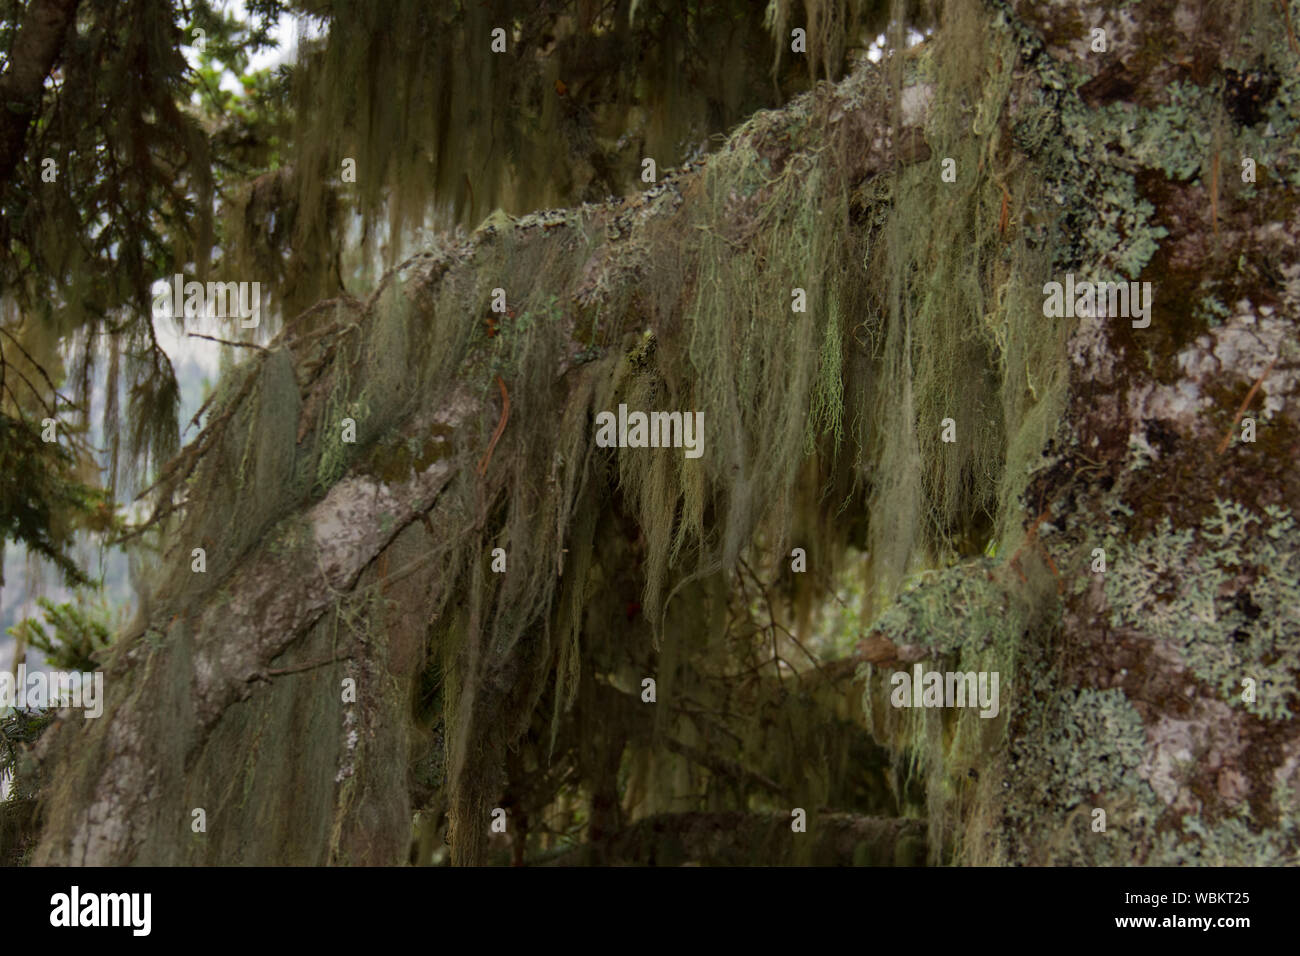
x,y
977,617
1223,594
1077,751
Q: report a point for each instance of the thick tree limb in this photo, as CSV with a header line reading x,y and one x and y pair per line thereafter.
x,y
127,783
35,51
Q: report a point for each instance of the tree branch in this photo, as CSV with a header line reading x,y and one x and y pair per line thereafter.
x,y
36,49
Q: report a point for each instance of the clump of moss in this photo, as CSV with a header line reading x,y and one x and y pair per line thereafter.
x,y
334,454
397,456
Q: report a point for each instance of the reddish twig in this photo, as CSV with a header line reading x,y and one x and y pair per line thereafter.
x,y
501,427
1290,30
1214,192
1227,439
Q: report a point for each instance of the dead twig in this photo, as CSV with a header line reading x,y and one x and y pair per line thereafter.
x,y
296,669
213,338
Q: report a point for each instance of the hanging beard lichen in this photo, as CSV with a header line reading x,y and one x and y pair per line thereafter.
x,y
821,424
